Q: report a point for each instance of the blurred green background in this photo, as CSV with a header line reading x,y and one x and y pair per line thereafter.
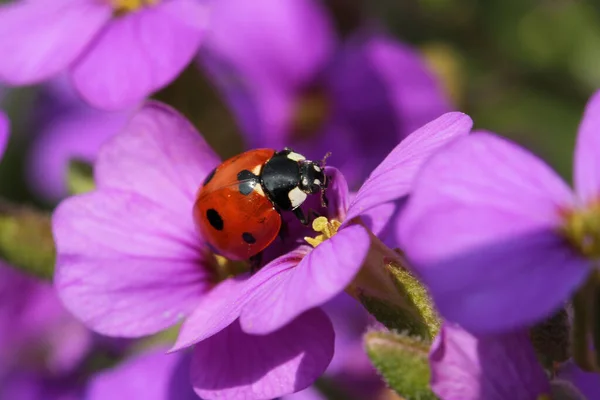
x,y
521,68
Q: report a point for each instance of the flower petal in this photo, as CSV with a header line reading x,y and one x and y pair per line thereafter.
x,y
160,156
321,275
140,53
480,189
495,367
337,194
4,131
310,393
505,285
480,231
588,383
223,304
39,36
234,365
126,266
259,73
587,152
394,177
152,376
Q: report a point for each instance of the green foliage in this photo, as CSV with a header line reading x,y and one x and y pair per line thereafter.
x,y
419,297
80,177
394,317
26,240
402,361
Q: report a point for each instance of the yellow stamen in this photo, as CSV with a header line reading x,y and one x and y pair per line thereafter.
x,y
126,6
325,227
582,229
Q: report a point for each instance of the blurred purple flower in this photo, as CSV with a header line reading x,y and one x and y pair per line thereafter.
x,y
68,129
40,344
131,263
500,240
116,58
305,88
587,383
152,375
493,367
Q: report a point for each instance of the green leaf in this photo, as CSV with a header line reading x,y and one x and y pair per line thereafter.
x,y
80,177
418,295
400,318
26,239
402,361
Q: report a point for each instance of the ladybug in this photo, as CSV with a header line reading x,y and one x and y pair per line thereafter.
x,y
238,208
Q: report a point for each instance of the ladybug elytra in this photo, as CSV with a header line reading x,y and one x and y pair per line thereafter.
x,y
238,208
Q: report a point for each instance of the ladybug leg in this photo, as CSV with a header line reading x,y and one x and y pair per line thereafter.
x,y
300,215
255,261
324,200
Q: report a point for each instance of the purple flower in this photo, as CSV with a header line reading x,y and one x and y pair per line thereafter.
x,y
41,345
68,129
492,367
587,383
152,375
306,88
497,236
130,262
122,51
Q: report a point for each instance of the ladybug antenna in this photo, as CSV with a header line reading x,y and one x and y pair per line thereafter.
x,y
322,163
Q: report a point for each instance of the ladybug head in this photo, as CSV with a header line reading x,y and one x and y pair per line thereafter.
x,y
312,177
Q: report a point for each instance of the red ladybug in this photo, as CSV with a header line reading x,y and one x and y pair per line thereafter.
x,y
238,207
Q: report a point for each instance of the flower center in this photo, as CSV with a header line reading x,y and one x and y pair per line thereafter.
x,y
325,227
582,229
224,268
126,6
310,113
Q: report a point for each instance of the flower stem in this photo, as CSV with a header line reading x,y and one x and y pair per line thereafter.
x,y
585,332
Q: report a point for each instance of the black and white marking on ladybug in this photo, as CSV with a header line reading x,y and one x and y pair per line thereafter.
x,y
288,178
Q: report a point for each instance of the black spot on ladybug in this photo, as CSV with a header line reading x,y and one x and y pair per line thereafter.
x,y
248,238
209,176
247,181
215,219
245,175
